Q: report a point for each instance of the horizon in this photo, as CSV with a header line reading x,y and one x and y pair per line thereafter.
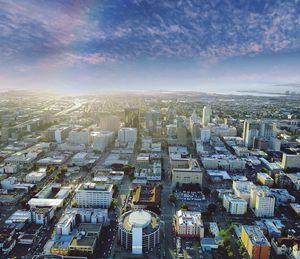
x,y
150,45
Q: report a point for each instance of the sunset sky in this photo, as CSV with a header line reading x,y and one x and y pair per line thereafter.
x,y
214,46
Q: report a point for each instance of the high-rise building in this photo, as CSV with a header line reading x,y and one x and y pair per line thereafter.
x,y
101,139
256,244
250,132
257,129
127,135
205,134
195,126
132,118
110,123
152,118
139,230
171,115
58,133
207,112
262,202
266,130
80,137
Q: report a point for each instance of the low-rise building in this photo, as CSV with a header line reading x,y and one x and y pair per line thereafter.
x,y
290,161
265,179
150,172
190,174
256,244
146,196
35,177
223,162
188,224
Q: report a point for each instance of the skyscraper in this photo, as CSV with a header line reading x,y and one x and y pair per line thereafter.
x,y
207,112
132,118
152,118
195,126
250,131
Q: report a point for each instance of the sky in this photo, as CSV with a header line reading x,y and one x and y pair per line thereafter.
x,y
81,46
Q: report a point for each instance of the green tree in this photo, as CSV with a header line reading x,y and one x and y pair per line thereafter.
x,y
184,206
172,198
211,207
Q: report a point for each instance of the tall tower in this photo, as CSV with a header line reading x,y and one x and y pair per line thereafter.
x,y
250,131
207,112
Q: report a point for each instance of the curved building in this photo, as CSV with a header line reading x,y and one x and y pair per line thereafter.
x,y
139,230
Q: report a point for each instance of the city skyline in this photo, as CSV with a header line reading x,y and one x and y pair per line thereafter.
x,y
86,46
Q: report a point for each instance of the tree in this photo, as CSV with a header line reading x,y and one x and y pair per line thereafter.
x,y
211,207
206,191
184,206
172,198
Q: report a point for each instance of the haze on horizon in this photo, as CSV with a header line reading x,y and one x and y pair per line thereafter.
x,y
217,45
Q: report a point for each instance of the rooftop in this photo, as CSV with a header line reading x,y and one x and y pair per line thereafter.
x,y
256,235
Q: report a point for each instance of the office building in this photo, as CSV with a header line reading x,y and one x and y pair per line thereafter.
x,y
127,136
132,118
110,123
101,140
189,172
94,195
152,119
80,137
250,132
58,133
205,134
206,117
139,230
195,126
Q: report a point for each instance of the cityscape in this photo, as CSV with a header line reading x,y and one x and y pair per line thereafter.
x,y
154,129
157,175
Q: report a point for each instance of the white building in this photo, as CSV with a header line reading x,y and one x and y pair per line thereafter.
x,y
234,205
223,162
110,123
195,126
290,161
92,195
127,136
250,131
101,140
188,224
35,177
262,203
68,220
9,183
80,137
139,230
207,112
265,179
242,189
205,134
151,172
